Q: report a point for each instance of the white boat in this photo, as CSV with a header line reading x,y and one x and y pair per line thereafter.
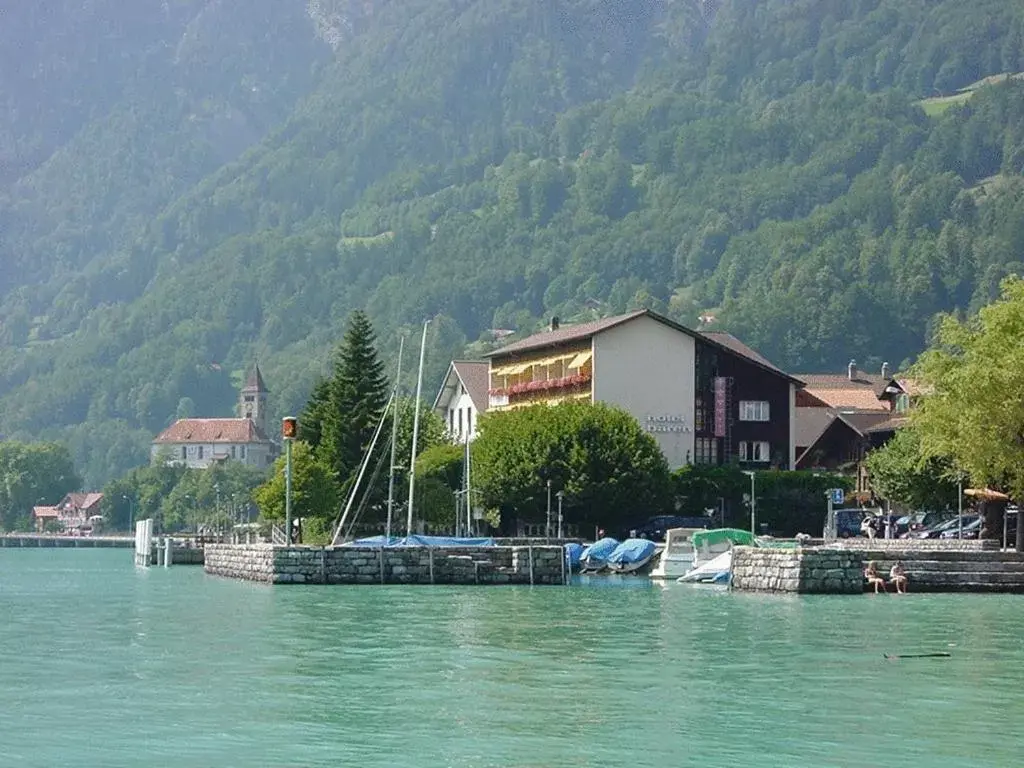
x,y
678,555
687,548
715,571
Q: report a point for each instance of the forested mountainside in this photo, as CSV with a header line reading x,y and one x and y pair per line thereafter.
x,y
189,184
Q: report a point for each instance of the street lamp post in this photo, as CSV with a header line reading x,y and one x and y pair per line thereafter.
x,y
560,495
547,527
753,505
131,511
960,506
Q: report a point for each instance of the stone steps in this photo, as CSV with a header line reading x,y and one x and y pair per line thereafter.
x,y
945,566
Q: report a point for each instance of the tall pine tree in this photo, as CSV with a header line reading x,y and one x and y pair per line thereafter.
x,y
355,398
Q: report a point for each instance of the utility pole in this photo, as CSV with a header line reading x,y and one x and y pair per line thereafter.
x,y
560,495
547,528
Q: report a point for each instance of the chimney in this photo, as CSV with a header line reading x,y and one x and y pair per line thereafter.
x,y
554,323
851,370
885,371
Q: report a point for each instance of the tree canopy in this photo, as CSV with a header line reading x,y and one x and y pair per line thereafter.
x,y
972,414
609,469
904,475
32,474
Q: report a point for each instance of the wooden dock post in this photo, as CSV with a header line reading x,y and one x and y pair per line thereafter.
x,y
168,552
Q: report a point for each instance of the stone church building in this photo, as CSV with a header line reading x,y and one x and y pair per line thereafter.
x,y
199,443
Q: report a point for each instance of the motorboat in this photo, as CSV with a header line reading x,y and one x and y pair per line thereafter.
x,y
595,557
631,555
687,548
678,554
715,571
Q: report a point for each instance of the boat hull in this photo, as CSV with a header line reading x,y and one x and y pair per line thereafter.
x,y
630,567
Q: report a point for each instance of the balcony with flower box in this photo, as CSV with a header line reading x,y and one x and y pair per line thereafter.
x,y
539,390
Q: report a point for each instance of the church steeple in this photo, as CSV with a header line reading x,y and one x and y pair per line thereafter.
x,y
252,403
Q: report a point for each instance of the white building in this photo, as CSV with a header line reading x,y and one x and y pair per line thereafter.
x,y
462,398
705,398
199,443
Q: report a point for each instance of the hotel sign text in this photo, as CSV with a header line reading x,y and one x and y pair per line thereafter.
x,y
667,423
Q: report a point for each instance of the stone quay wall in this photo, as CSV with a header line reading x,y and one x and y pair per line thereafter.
x,y
397,565
800,570
949,566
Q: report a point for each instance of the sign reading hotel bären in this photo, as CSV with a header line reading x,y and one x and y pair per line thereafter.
x,y
667,423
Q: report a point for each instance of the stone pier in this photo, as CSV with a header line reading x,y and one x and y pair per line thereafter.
x,y
274,564
931,565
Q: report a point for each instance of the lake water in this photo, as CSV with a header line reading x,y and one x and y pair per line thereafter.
x,y
106,665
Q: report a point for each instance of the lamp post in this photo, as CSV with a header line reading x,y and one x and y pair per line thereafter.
x,y
131,511
560,495
753,505
289,431
960,507
547,527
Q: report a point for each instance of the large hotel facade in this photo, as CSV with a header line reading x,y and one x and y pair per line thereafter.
x,y
705,397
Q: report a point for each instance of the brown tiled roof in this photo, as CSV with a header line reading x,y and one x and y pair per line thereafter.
x,y
212,431
809,423
83,500
567,334
840,392
583,331
731,342
888,425
475,376
45,512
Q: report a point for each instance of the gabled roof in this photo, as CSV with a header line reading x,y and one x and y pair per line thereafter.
x,y
473,375
83,501
809,424
255,380
863,392
584,331
859,423
212,431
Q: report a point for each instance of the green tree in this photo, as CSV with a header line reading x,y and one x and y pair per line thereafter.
x,y
905,476
356,397
32,474
610,470
314,494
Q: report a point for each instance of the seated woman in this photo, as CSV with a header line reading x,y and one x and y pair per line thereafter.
x,y
898,577
873,577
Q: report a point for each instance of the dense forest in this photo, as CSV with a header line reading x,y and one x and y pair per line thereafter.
x,y
186,185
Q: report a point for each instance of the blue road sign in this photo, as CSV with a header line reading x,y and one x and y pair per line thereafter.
x,y
837,495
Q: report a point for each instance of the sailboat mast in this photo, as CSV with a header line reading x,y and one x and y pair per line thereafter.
x,y
469,493
415,432
394,444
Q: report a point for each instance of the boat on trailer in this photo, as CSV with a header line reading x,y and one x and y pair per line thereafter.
x,y
631,555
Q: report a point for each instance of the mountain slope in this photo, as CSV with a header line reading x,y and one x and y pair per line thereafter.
x,y
489,164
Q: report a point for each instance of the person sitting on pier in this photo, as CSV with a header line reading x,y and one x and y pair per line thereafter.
x,y
898,578
873,577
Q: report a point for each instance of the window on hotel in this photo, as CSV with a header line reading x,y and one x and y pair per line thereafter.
x,y
705,450
200,452
460,421
753,410
698,415
243,452
234,450
184,453
469,421
755,450
451,421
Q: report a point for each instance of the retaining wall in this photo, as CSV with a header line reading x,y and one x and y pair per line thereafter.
x,y
932,545
397,565
943,566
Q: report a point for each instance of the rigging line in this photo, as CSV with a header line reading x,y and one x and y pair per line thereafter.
x,y
374,476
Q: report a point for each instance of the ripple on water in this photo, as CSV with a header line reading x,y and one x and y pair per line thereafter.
x,y
105,665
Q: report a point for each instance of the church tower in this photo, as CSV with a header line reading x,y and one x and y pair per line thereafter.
x,y
253,401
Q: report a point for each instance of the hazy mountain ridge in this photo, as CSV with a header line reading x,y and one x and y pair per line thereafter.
x,y
263,168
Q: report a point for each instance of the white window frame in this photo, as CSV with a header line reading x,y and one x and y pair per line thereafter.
x,y
755,451
754,410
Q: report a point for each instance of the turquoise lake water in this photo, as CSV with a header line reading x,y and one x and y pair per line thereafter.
x,y
106,665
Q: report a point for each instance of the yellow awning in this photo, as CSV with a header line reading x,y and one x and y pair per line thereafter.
x,y
581,359
510,370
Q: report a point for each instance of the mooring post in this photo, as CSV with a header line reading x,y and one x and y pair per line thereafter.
x,y
168,552
380,561
530,551
430,560
565,554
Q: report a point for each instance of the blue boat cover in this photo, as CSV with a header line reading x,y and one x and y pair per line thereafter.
x,y
572,553
632,551
420,541
600,549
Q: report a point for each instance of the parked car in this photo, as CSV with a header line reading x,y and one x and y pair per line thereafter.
x,y
919,521
936,531
655,527
969,531
848,522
